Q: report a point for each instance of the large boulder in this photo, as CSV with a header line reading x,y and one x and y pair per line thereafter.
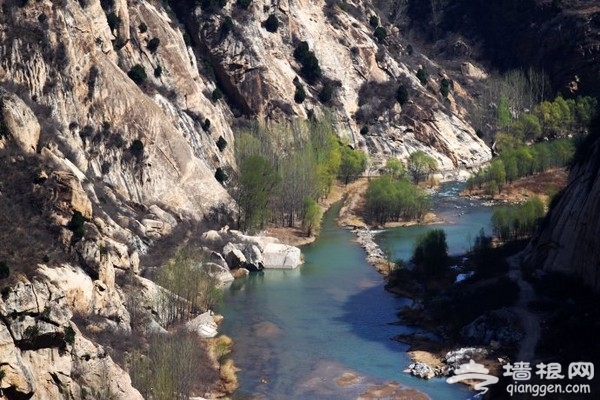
x,y
234,257
281,256
203,325
254,258
218,272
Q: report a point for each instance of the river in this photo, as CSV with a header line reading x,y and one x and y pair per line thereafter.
x,y
296,332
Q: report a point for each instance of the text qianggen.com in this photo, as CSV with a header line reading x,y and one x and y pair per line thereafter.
x,y
543,389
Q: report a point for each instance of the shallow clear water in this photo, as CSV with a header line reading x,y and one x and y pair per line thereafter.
x,y
330,315
462,220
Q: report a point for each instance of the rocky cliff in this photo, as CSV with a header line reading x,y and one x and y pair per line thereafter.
x,y
569,239
259,74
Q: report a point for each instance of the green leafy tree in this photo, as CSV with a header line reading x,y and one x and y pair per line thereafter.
x,y
402,95
258,182
310,64
137,149
300,94
528,127
221,176
497,173
519,221
76,224
511,168
395,168
421,166
272,23
503,116
373,21
114,22
422,76
380,34
226,26
353,164
221,142
217,95
326,93
388,198
153,44
311,217
137,73
431,253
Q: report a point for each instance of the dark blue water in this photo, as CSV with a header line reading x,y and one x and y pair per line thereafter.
x,y
296,332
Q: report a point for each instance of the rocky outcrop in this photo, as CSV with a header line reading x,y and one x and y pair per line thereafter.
x,y
18,120
568,241
421,370
35,328
203,325
251,252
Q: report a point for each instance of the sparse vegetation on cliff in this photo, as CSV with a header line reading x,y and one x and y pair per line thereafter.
x,y
310,70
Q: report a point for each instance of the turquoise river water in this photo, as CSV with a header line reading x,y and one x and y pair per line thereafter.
x,y
296,332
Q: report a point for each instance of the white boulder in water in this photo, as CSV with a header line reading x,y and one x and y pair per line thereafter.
x,y
281,256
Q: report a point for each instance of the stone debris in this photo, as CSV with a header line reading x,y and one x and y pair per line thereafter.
x,y
421,370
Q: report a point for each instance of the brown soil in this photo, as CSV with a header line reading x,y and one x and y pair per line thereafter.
x,y
291,236
351,212
521,190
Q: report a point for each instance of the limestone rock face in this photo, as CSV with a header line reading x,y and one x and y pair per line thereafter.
x,y
74,70
44,355
257,71
218,272
234,257
569,238
20,121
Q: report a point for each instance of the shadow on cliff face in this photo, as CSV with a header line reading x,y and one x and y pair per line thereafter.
x,y
26,237
554,36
